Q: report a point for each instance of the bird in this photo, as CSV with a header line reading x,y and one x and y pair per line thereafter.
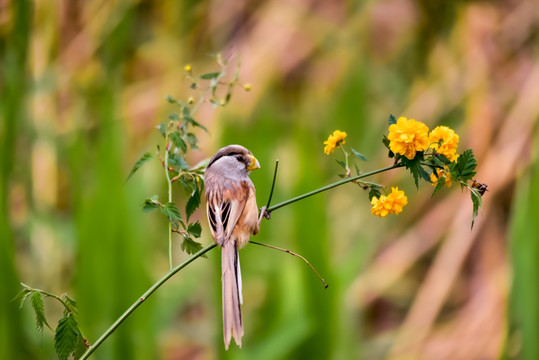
x,y
233,217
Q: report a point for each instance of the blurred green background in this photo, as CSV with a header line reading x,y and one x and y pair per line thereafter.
x,y
82,88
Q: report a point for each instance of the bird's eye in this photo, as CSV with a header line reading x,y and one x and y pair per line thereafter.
x,y
240,158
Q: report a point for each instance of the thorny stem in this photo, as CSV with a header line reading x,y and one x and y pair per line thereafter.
x,y
143,298
204,250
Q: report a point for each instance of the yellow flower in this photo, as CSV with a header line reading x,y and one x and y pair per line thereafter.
x,y
439,174
445,141
407,137
390,204
247,87
334,141
187,68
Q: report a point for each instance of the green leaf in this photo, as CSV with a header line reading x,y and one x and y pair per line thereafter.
x,y
342,163
190,246
177,161
171,211
439,185
195,229
23,295
66,336
39,309
192,203
80,347
464,168
443,159
374,191
170,99
174,117
162,129
392,119
178,141
145,158
386,142
359,155
150,204
209,76
477,202
415,167
192,140
71,305
197,124
193,86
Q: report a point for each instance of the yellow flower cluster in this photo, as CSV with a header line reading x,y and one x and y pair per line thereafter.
x,y
334,141
445,141
439,174
390,204
407,137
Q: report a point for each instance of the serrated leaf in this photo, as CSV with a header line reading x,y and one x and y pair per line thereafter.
x,y
22,295
145,158
190,246
71,304
178,141
192,203
209,76
177,161
359,155
415,167
171,211
391,120
39,310
66,336
150,205
80,347
464,168
195,229
424,174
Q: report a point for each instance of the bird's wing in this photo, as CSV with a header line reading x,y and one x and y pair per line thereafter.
x,y
225,208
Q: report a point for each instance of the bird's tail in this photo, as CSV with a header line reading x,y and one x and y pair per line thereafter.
x,y
231,279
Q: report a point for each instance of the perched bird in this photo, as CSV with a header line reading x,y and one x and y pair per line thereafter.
x,y
233,217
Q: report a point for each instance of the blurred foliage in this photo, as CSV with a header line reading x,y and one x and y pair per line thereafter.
x,y
82,87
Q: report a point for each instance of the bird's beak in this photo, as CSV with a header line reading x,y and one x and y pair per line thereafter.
x,y
253,165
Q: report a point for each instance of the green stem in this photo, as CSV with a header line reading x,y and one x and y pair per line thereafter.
x,y
331,186
273,183
143,298
169,183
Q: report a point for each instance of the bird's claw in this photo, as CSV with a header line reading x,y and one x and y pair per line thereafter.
x,y
265,213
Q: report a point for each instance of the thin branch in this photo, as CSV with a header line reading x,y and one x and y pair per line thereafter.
x,y
293,254
143,298
273,182
331,186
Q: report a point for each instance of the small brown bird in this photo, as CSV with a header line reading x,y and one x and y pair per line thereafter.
x,y
233,217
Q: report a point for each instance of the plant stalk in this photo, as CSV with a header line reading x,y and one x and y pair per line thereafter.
x,y
143,298
331,186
